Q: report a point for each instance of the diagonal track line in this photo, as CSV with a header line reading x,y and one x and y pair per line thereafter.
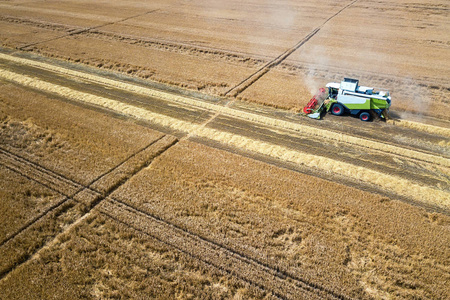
x,y
93,204
79,187
247,82
83,30
190,238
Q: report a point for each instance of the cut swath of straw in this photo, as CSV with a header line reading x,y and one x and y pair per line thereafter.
x,y
304,129
389,182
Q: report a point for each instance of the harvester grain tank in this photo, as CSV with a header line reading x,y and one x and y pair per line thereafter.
x,y
349,97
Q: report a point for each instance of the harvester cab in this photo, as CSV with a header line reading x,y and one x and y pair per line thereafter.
x,y
349,97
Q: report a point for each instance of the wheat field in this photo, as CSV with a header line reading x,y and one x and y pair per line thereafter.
x,y
154,149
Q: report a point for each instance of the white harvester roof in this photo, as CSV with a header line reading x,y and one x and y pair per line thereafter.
x,y
333,85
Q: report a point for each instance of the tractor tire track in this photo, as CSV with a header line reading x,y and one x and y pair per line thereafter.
x,y
39,23
94,196
279,282
24,166
44,176
82,30
216,53
149,42
247,82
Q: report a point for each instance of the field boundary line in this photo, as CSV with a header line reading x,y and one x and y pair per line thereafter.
x,y
270,121
393,183
60,178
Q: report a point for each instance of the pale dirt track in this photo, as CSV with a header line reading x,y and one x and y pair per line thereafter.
x,y
159,181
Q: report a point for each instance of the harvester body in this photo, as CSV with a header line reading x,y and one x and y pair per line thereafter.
x,y
349,97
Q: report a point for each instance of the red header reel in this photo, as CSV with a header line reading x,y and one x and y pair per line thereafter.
x,y
316,101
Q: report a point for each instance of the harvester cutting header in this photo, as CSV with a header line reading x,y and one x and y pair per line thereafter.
x,y
349,97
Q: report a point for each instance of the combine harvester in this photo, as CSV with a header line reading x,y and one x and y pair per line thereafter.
x,y
349,97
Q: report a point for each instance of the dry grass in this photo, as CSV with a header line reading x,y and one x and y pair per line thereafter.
x,y
350,241
100,258
21,200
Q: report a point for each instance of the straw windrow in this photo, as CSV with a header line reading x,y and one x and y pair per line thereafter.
x,y
391,183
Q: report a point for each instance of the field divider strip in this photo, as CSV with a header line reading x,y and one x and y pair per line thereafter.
x,y
393,183
269,121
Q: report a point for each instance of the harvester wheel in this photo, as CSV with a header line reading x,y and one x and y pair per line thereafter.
x,y
337,109
365,116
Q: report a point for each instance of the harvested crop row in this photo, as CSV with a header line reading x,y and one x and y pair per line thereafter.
x,y
422,127
395,184
304,129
